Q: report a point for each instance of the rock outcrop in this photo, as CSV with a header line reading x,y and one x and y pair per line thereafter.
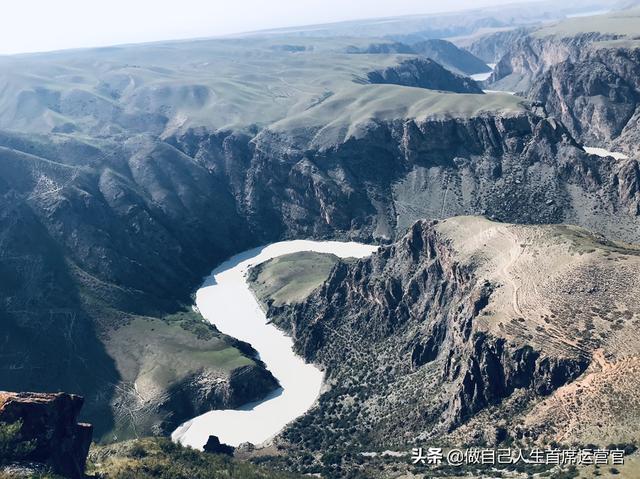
x,y
50,421
597,96
424,73
491,48
450,56
442,51
495,369
587,80
521,167
202,392
417,302
459,330
527,54
214,446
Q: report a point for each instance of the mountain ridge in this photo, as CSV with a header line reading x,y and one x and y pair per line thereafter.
x,y
462,332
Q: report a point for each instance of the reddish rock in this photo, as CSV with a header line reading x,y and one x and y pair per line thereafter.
x,y
51,420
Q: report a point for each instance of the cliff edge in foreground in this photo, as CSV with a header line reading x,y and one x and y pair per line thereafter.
x,y
48,433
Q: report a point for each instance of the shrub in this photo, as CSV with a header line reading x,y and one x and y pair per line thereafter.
x,y
12,445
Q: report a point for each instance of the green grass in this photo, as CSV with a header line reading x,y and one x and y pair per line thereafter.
x,y
215,83
227,359
583,241
159,458
12,445
346,113
291,278
168,350
153,356
219,84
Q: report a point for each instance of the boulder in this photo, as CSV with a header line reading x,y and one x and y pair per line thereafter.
x,y
214,446
50,420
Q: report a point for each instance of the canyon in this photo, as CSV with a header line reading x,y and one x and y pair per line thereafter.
x,y
129,173
105,218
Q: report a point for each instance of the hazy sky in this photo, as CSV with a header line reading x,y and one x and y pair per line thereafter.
x,y
41,25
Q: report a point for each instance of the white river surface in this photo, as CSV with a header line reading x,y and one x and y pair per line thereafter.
x,y
604,153
226,301
483,76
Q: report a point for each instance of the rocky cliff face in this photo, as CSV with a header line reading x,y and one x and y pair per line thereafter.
x,y
495,369
523,54
78,249
597,96
424,73
402,328
202,392
450,56
520,168
50,421
468,331
587,80
106,222
491,48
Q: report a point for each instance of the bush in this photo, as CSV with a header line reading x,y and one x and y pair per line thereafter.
x,y
159,458
12,446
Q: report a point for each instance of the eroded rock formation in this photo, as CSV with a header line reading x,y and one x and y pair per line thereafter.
x,y
50,422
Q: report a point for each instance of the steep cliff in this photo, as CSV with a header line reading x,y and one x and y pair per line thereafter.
x,y
585,72
519,167
201,392
597,96
491,48
461,330
450,56
416,304
424,73
93,261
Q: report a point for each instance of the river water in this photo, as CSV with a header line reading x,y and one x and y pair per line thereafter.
x,y
604,153
226,301
483,76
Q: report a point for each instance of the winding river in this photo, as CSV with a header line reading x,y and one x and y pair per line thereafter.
x,y
226,301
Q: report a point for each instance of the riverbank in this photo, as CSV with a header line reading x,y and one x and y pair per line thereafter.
x,y
227,302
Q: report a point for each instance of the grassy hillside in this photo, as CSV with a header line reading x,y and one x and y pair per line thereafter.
x,y
290,278
348,113
168,87
160,88
624,23
154,356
